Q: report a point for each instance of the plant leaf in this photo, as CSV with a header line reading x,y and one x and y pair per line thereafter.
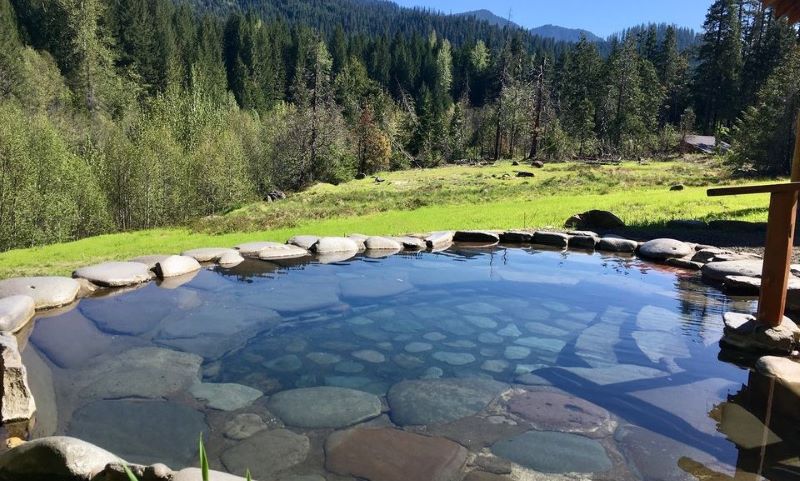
x,y
203,460
247,476
131,476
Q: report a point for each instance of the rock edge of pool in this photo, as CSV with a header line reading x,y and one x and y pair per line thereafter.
x,y
367,444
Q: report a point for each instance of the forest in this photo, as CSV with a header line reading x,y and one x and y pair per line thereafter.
x,y
118,115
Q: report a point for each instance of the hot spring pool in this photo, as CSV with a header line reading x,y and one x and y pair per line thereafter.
x,y
506,358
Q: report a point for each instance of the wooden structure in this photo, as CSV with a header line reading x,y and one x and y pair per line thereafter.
x,y
782,215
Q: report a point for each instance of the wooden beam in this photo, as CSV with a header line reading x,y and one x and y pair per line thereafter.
x,y
786,187
777,258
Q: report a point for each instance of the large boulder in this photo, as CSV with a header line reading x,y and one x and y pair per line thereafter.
x,y
718,271
476,237
440,240
115,274
54,459
392,455
382,244
616,244
303,241
516,237
743,331
175,266
16,312
663,249
47,292
324,407
335,245
411,243
17,404
555,239
434,401
253,250
594,219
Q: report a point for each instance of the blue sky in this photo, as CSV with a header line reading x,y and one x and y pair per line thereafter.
x,y
603,17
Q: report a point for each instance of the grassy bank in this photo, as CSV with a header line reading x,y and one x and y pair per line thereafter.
x,y
427,200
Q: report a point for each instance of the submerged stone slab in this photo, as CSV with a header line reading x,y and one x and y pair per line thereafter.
x,y
141,431
303,241
330,245
115,274
244,425
743,331
476,236
554,452
618,373
209,254
46,292
176,266
554,411
225,396
434,401
40,381
663,249
661,346
57,458
70,340
440,240
16,312
267,453
392,455
367,288
282,251
324,407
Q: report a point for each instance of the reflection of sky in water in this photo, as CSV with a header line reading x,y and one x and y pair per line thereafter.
x,y
635,338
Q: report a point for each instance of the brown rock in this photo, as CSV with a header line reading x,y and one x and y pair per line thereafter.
x,y
553,411
393,455
476,433
744,332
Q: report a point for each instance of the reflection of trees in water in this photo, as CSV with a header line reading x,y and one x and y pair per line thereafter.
x,y
703,305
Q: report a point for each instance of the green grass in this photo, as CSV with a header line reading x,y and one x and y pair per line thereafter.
x,y
427,200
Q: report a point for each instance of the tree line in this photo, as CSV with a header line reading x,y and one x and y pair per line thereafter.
x,y
131,114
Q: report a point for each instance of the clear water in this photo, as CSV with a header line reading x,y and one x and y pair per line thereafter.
x,y
537,320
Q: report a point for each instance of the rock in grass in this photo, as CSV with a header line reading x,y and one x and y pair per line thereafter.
x,y
594,219
56,458
663,249
47,292
115,274
16,312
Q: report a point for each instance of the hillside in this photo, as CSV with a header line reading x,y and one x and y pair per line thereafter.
x,y
563,34
490,17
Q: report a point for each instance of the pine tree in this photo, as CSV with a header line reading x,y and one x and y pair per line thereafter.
x,y
579,92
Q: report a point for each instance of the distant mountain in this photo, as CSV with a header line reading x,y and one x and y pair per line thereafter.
x,y
488,16
564,34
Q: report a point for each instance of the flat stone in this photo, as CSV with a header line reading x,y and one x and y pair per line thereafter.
x,y
710,254
323,358
244,425
135,315
516,353
544,348
553,411
482,322
545,329
194,474
287,363
510,330
252,250
225,396
349,367
663,249
115,274
176,266
54,459
141,431
476,432
411,243
370,356
616,244
276,252
653,318
434,336
718,271
583,242
661,346
684,263
556,239
324,407
47,292
743,331
391,455
743,428
293,298
484,476
553,452
461,344
785,370
426,402
454,358
596,344
439,240
489,338
407,361
382,243
417,347
516,237
231,259
17,403
618,373
70,340
148,372
479,308
492,464
495,365
476,237
16,312
267,453
433,373
330,245
209,254
303,241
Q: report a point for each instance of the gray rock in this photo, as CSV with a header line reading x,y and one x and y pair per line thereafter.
x,y
151,260
155,472
594,219
331,245
194,474
141,431
16,404
436,401
495,365
417,347
663,249
267,453
252,250
209,254
544,348
293,298
176,266
231,259
516,237
54,459
785,370
276,252
516,353
583,242
47,292
225,396
718,271
439,240
349,367
489,338
40,381
743,331
553,452
244,425
368,355
16,312
410,243
616,244
115,274
303,241
434,336
510,330
710,254
132,374
684,263
136,315
287,363
324,407
454,358
618,373
556,239
476,237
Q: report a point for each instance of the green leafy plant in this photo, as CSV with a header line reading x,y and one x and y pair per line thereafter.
x,y
131,476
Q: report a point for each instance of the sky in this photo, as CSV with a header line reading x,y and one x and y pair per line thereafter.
x,y
602,17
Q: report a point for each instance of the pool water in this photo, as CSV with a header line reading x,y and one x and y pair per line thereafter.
x,y
526,361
